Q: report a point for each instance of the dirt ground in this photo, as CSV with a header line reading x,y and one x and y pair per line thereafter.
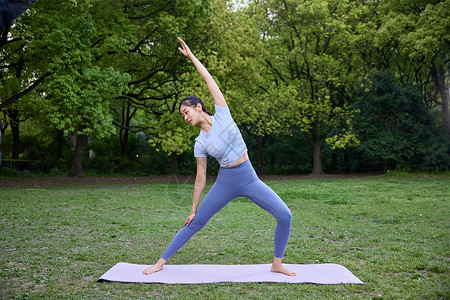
x,y
38,182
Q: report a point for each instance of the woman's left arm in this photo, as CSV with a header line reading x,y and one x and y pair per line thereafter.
x,y
210,82
200,181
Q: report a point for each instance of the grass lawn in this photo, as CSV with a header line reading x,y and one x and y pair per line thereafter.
x,y
392,233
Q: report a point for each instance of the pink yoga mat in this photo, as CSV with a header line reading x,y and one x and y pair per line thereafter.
x,y
198,274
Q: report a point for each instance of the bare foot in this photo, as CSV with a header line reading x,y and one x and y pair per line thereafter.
x,y
155,268
277,267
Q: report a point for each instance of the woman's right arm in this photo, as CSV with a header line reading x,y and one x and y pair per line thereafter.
x,y
200,182
210,82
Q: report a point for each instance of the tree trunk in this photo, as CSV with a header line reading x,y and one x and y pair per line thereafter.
x,y
317,150
123,133
438,77
123,137
174,164
13,115
1,133
77,162
128,113
126,151
59,143
260,141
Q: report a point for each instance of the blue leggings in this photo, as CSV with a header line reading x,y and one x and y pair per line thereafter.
x,y
239,181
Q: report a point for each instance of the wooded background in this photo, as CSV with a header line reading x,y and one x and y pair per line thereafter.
x,y
315,86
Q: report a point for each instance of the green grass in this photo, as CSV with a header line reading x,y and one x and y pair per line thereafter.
x,y
392,233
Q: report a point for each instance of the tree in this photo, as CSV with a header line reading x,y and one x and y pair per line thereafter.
x,y
20,72
236,59
77,99
315,56
416,35
140,38
232,53
133,37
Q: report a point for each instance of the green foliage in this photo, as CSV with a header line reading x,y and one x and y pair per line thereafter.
x,y
347,138
393,125
343,136
79,102
316,49
141,40
231,52
144,158
102,67
413,39
173,134
418,31
76,98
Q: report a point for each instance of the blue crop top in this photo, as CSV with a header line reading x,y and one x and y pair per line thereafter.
x,y
224,140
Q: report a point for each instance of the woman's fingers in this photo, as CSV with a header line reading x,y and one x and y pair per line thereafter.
x,y
189,219
183,44
182,51
185,50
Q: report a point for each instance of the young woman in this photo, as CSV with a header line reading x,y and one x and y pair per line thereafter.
x,y
220,138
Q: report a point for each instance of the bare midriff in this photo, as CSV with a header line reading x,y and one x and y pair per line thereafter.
x,y
241,159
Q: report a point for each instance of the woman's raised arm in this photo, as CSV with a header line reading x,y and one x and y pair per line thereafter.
x,y
212,85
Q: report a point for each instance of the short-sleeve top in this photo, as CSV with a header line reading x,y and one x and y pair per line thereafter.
x,y
224,140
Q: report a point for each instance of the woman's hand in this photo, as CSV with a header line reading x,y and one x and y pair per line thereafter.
x,y
185,50
189,219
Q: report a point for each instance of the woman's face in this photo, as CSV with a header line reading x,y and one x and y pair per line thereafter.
x,y
191,114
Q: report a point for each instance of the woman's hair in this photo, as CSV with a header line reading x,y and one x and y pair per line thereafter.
x,y
193,101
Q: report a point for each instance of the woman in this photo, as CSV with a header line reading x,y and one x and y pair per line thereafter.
x,y
220,138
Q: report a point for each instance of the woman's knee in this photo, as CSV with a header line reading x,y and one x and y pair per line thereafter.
x,y
285,216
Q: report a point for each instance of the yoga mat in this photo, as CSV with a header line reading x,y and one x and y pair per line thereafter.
x,y
198,274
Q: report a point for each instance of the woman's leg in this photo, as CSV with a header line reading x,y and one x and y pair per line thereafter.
x,y
216,199
267,199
